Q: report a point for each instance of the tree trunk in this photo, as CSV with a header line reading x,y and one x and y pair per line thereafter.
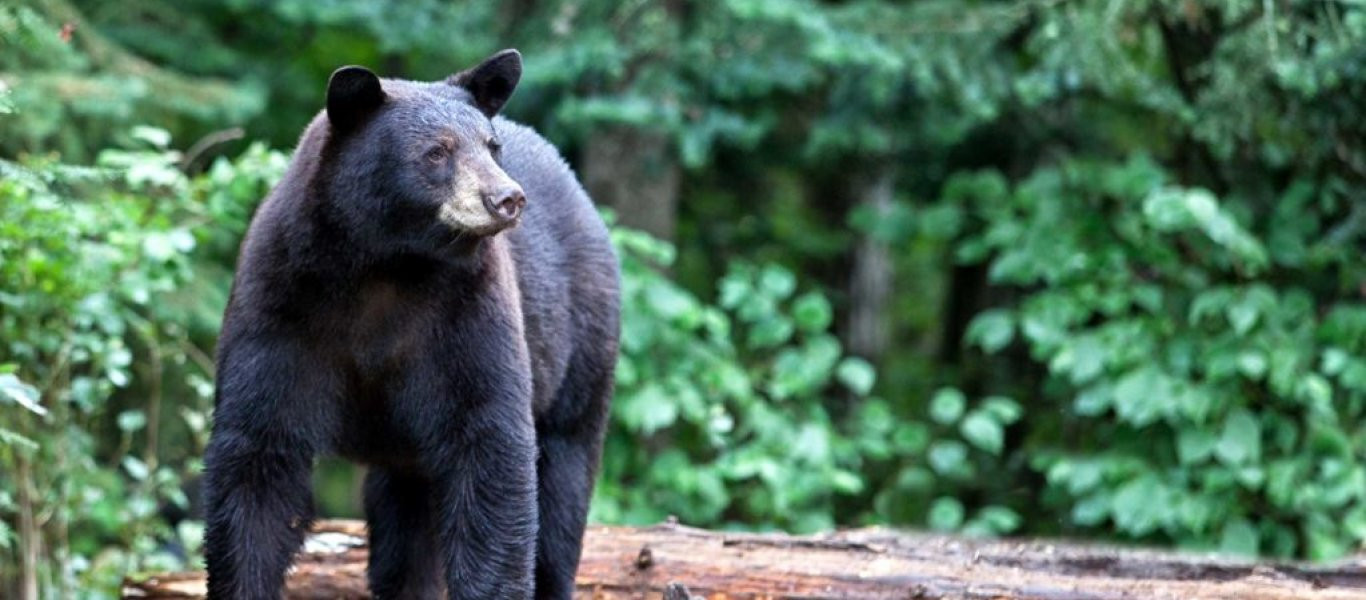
x,y
30,538
875,563
871,275
634,172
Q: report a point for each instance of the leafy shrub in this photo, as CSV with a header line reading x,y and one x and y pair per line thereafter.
x,y
719,415
1205,365
110,299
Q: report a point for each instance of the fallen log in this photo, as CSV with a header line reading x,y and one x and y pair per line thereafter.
x,y
676,562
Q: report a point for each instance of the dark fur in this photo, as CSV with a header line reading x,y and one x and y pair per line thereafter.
x,y
471,372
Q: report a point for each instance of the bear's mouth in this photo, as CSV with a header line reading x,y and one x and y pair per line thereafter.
x,y
479,222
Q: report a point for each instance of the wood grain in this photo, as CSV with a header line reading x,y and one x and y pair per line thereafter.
x,y
640,563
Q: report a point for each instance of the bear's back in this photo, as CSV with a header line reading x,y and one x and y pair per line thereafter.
x,y
567,271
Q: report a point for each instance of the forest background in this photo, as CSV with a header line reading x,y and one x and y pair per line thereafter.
x,y
1030,267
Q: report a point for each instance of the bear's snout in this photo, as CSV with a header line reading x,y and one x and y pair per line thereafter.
x,y
505,204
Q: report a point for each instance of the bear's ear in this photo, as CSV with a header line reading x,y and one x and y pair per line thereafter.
x,y
352,93
491,83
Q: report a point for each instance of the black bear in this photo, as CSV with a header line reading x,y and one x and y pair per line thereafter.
x,y
428,291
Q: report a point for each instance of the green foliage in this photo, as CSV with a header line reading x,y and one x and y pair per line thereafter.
x,y
1125,243
102,320
1204,377
719,413
77,92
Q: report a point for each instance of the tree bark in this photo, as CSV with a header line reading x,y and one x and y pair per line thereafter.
x,y
871,274
30,538
875,563
634,172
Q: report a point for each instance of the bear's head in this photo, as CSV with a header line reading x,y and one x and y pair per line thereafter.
x,y
418,163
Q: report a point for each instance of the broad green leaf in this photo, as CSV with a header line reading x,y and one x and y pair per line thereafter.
x,y
812,312
947,456
21,393
947,405
648,410
991,330
132,420
982,431
1241,440
946,514
1141,395
1239,538
135,467
777,281
1092,510
1093,400
1194,445
999,519
1141,506
158,138
1004,410
846,482
856,374
1252,364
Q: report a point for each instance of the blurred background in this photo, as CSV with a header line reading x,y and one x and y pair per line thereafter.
x,y
1031,267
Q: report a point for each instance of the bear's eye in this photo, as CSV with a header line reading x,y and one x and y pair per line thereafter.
x,y
437,153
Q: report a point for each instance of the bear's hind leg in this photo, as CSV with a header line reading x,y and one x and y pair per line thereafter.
x,y
404,560
565,480
570,442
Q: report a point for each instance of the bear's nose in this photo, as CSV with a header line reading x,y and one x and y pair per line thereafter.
x,y
505,204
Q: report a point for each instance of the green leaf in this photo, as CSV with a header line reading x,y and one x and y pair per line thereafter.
x,y
1252,364
812,312
14,439
135,467
1140,506
777,281
158,138
947,457
1092,510
982,431
1241,440
1194,445
132,420
1317,391
21,393
991,330
1140,395
846,482
1242,315
770,332
946,514
857,375
1093,401
648,410
1084,476
911,438
999,519
1003,409
947,405
670,302
1239,538
1333,361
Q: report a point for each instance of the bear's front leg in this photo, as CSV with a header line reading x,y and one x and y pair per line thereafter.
x,y
258,505
485,480
258,502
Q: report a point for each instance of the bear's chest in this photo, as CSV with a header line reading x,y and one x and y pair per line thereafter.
x,y
384,335
385,329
